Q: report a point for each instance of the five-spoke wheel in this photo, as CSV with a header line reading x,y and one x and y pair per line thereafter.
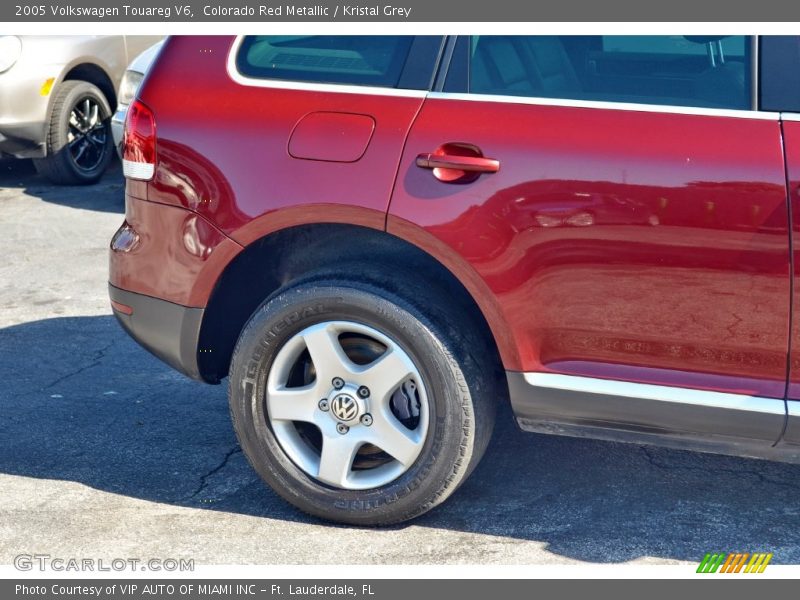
x,y
347,405
354,405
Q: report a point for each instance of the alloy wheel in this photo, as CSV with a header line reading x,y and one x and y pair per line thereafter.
x,y
87,136
347,405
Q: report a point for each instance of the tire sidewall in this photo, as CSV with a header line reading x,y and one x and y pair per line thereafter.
x,y
446,453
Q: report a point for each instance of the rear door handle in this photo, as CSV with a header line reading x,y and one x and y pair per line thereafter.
x,y
472,164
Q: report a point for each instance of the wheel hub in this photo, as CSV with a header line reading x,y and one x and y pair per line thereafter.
x,y
346,406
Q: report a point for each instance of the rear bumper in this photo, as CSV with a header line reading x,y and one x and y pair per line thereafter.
x,y
169,331
164,262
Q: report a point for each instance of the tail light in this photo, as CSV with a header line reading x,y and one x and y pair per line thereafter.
x,y
139,142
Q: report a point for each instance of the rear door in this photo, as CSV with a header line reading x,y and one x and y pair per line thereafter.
x,y
780,91
622,202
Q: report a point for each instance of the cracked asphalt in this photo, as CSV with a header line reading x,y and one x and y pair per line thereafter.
x,y
105,452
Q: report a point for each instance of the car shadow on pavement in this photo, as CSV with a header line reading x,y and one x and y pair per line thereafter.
x,y
82,402
107,195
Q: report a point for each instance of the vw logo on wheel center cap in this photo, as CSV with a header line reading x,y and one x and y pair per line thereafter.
x,y
345,407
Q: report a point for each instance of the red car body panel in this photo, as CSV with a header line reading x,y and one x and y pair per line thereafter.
x,y
637,265
237,170
791,133
179,256
641,246
331,136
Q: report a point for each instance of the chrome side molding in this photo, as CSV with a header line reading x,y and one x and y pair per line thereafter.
x,y
609,105
661,393
651,414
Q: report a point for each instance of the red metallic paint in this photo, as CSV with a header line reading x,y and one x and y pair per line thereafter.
x,y
640,246
791,135
331,136
292,216
235,169
179,257
477,287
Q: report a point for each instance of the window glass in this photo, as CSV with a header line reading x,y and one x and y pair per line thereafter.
x,y
353,60
732,45
703,71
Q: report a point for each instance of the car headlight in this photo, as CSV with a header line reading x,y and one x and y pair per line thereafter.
x,y
127,89
10,49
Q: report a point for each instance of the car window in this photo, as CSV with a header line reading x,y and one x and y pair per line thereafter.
x,y
702,71
353,60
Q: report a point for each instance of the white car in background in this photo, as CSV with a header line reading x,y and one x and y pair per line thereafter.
x,y
131,81
57,93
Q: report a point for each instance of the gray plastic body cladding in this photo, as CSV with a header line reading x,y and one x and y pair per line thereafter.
x,y
657,415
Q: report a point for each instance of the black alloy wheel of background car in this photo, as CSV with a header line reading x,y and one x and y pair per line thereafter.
x,y
79,143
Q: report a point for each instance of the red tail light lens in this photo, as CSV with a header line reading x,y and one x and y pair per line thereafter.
x,y
139,142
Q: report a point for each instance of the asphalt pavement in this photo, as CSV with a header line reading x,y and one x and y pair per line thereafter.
x,y
106,452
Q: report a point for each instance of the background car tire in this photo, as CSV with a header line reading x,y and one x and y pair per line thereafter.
x,y
458,388
79,146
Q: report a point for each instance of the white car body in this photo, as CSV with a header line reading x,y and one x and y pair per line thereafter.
x,y
33,68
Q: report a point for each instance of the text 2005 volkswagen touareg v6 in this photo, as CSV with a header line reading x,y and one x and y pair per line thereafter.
x,y
379,239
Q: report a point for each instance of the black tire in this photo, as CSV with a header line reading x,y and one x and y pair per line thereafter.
x,y
85,161
461,399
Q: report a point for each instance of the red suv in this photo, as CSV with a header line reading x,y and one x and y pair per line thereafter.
x,y
379,239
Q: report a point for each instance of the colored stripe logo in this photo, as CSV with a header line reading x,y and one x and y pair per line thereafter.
x,y
734,562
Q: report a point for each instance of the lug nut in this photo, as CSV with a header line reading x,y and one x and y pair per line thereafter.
x,y
366,419
324,405
342,428
338,383
363,392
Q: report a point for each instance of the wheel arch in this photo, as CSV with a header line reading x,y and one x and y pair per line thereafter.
x,y
81,70
371,255
96,75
